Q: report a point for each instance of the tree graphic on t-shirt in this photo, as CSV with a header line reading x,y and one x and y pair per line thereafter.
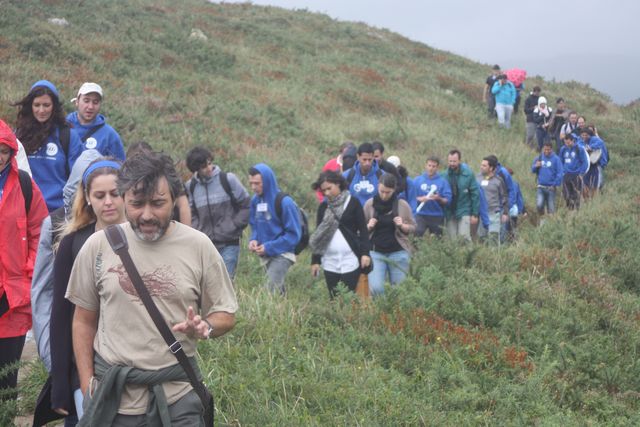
x,y
160,282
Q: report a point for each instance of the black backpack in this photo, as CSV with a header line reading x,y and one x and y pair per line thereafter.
x,y
27,189
304,222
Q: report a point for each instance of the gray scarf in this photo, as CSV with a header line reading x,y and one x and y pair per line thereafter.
x,y
321,238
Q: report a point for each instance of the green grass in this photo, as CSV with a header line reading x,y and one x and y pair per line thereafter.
x,y
543,332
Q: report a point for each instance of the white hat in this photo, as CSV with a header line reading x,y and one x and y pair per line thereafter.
x,y
88,88
394,160
542,100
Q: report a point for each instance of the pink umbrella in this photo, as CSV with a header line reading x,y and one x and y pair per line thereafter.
x,y
516,76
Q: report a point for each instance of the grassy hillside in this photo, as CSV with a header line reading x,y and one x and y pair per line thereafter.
x,y
544,331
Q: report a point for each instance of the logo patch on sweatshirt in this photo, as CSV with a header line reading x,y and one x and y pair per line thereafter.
x,y
52,149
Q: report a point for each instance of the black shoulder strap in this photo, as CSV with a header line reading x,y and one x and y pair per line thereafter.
x,y
350,176
394,207
27,189
91,132
378,173
118,241
192,187
224,181
281,195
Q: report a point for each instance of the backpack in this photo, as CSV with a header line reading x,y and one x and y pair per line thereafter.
x,y
352,174
27,189
224,181
304,222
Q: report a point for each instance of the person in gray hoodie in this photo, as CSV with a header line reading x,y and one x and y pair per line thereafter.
x,y
219,205
42,282
496,194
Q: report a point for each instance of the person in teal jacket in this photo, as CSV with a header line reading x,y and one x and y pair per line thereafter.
x,y
462,211
505,93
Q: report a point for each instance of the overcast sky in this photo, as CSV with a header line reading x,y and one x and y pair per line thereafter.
x,y
592,41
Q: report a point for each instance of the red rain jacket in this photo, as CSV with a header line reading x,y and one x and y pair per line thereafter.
x,y
19,234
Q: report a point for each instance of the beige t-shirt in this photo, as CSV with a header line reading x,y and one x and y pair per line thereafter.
x,y
181,269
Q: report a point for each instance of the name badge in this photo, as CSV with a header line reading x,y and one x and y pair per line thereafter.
x,y
262,207
567,160
364,183
484,183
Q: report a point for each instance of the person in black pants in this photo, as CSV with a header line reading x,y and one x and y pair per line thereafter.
x,y
340,243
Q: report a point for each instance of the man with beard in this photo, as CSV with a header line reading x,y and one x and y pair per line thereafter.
x,y
462,211
127,373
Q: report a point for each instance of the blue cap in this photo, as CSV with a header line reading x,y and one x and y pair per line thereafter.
x,y
47,84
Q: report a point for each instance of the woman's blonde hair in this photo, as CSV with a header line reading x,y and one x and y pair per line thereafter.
x,y
82,213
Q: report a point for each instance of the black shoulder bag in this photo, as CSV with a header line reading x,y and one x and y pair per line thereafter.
x,y
118,241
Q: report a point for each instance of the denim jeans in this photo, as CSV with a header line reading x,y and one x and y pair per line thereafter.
x,y
277,268
395,265
230,254
504,112
546,196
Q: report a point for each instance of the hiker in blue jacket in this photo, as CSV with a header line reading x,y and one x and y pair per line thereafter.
x,y
505,94
575,162
273,238
52,147
482,226
91,126
362,178
432,195
548,167
594,178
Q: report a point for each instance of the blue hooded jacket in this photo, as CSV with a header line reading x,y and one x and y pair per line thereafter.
x,y
106,140
51,167
519,197
423,185
483,208
596,143
550,172
574,159
278,236
364,187
502,172
505,94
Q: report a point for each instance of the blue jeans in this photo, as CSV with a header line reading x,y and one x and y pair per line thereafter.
x,y
230,254
394,264
546,196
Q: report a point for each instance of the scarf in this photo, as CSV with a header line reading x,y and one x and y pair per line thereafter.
x,y
382,207
321,237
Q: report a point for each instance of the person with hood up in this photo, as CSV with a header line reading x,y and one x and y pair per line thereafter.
x,y
542,118
273,237
91,126
362,178
52,148
20,219
594,178
505,93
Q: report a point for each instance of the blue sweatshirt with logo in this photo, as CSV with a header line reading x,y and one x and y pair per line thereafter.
x,y
363,187
550,171
51,166
106,140
596,143
574,159
423,184
278,235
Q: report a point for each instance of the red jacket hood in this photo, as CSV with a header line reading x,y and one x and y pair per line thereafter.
x,y
8,138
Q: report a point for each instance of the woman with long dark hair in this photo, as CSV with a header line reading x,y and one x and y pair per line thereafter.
x,y
97,204
389,221
340,243
51,145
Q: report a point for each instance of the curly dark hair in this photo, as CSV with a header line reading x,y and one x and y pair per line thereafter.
x,y
31,133
142,173
332,177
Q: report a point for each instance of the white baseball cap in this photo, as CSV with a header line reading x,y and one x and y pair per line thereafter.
x,y
394,160
86,88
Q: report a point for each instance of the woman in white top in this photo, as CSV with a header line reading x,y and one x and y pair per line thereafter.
x,y
340,243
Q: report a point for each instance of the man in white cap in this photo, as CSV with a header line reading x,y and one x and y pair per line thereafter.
x,y
91,126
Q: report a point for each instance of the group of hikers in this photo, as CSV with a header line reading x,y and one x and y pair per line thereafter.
x,y
68,190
